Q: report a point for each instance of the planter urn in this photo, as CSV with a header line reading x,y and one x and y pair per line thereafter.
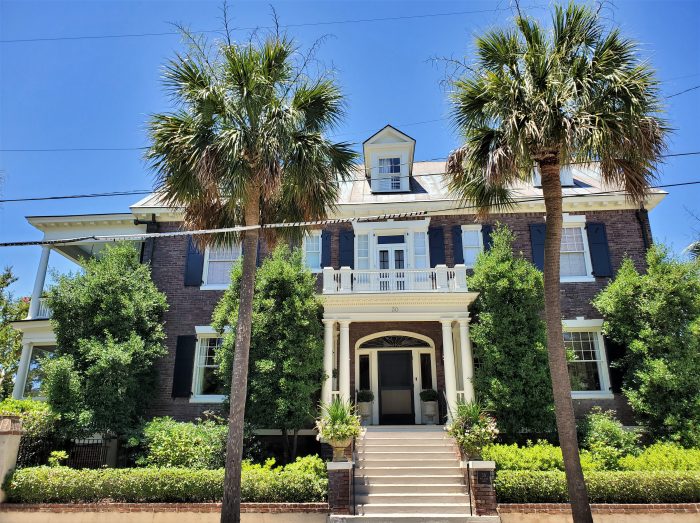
x,y
339,446
364,409
429,410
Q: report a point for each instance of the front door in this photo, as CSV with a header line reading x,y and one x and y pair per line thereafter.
x,y
392,262
396,404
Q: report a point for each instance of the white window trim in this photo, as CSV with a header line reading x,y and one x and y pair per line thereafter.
x,y
582,325
320,250
203,333
205,272
472,227
579,221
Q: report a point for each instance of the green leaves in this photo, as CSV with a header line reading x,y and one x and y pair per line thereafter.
x,y
656,317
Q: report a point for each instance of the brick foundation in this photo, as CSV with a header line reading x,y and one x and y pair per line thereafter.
x,y
315,508
480,476
340,487
601,508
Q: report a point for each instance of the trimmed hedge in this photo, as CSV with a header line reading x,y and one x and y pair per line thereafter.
x,y
533,456
297,483
521,486
663,456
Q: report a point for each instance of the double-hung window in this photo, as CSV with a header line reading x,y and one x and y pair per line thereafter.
x,y
420,250
390,168
206,384
362,251
588,367
575,258
312,251
472,244
218,262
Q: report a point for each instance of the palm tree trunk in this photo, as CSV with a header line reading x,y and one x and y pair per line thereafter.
x,y
561,386
231,505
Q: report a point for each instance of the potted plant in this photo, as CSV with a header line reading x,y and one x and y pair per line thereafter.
x,y
429,406
364,405
473,428
337,426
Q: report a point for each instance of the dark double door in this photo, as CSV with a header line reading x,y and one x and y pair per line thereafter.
x,y
396,405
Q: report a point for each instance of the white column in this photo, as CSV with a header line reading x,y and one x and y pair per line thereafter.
x,y
448,358
465,347
344,361
327,387
22,371
39,282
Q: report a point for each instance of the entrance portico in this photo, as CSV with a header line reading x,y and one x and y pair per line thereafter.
x,y
398,344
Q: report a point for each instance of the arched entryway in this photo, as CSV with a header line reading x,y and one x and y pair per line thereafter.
x,y
396,366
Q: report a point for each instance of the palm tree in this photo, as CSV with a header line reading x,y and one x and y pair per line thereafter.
x,y
246,147
544,98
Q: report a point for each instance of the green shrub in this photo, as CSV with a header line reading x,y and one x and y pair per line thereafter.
x,y
171,443
38,420
302,481
472,427
541,456
606,438
519,486
663,456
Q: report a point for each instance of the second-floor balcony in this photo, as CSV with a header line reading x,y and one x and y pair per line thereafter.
x,y
352,281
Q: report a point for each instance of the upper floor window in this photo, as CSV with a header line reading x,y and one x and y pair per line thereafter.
x,y
206,385
588,368
575,259
312,251
420,250
218,262
472,244
390,174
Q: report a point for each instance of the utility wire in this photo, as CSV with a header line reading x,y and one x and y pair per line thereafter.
x,y
285,26
243,228
136,192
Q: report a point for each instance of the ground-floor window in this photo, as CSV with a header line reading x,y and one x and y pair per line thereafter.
x,y
206,384
588,369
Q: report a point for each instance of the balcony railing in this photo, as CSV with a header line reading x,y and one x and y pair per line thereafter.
x,y
349,281
44,311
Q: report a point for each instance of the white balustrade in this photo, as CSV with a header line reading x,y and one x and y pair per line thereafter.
x,y
439,279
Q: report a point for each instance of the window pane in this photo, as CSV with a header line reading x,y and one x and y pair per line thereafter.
x,y
362,251
426,372
471,238
573,256
364,372
470,255
219,272
583,371
312,251
208,382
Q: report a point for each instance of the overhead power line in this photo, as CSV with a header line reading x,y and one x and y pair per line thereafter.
x,y
284,26
243,228
137,192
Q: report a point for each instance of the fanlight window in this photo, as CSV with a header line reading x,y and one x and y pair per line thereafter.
x,y
394,342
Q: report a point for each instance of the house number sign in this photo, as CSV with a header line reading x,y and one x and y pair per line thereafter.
x,y
483,477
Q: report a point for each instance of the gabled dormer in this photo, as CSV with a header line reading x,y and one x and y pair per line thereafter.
x,y
389,160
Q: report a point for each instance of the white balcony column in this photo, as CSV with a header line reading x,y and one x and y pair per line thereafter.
x,y
39,282
327,387
448,358
329,284
22,371
460,277
465,347
344,361
345,279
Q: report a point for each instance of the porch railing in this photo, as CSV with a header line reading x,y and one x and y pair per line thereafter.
x,y
350,281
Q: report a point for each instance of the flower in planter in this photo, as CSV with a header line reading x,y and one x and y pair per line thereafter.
x,y
472,427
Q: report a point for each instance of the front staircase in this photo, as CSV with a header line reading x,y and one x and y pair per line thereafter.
x,y
408,474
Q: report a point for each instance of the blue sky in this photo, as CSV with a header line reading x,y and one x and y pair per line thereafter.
x,y
98,93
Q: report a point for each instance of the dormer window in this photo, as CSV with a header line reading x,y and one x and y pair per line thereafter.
x,y
389,160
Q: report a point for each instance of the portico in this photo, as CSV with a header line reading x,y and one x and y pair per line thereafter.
x,y
398,344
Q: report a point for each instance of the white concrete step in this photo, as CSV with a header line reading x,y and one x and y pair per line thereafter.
x,y
413,508
405,518
399,498
407,447
404,456
409,470
409,440
418,461
410,479
407,488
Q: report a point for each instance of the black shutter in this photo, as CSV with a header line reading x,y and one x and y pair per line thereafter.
x,y
486,230
184,365
537,233
436,242
598,247
347,249
194,265
326,237
457,252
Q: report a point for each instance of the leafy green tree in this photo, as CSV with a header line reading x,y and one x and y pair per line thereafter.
x,y
656,316
286,346
108,322
512,379
577,92
247,145
11,309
